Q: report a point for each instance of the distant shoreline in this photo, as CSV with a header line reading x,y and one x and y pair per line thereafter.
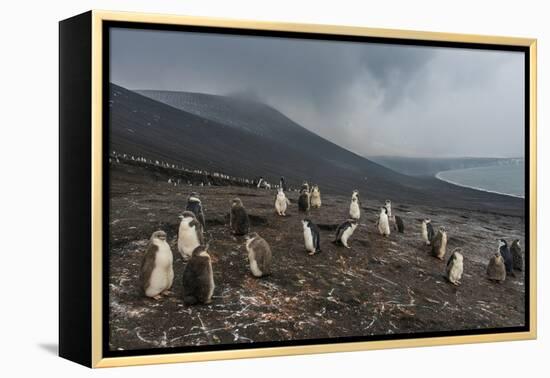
x,y
437,176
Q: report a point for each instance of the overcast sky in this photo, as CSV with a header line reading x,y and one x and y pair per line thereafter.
x,y
369,98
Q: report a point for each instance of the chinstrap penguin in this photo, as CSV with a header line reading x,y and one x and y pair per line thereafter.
x,y
383,222
507,256
194,205
399,225
312,237
344,232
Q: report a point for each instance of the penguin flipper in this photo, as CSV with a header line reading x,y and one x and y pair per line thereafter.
x,y
450,260
339,233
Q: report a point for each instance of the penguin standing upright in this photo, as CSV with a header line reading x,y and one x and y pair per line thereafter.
x,y
238,218
517,255
312,237
427,231
198,277
281,203
156,272
455,267
399,224
496,270
259,255
303,201
194,205
439,243
507,256
383,222
387,204
282,184
315,199
354,209
344,232
190,234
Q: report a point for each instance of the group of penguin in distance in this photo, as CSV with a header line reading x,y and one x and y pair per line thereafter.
x,y
157,274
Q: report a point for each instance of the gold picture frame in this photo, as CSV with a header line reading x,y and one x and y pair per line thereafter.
x,y
91,24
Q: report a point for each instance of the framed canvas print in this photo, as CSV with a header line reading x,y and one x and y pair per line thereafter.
x,y
235,189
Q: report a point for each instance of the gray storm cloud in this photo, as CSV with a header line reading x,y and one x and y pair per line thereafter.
x,y
373,99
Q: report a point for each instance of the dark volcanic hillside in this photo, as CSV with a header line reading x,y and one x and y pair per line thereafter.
x,y
254,140
248,139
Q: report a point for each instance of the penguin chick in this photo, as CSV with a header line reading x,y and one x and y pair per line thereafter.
x,y
387,204
259,255
303,201
344,232
354,209
281,203
315,198
496,271
198,278
427,231
455,267
517,255
238,218
190,234
439,243
157,273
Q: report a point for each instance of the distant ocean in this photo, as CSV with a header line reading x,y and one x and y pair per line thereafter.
x,y
508,179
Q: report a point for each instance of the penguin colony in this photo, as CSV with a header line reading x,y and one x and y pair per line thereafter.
x,y
157,274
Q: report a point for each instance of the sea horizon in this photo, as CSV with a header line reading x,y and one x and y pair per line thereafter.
x,y
507,180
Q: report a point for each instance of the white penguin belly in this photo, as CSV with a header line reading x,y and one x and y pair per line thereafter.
x,y
443,247
354,211
280,205
308,239
315,200
212,285
254,268
252,261
162,275
187,241
346,235
455,273
383,225
424,232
